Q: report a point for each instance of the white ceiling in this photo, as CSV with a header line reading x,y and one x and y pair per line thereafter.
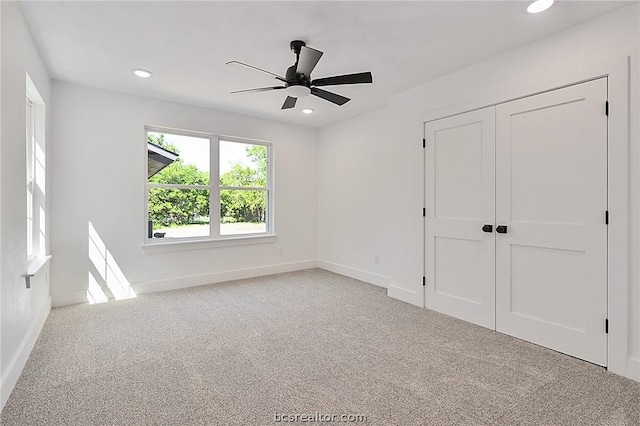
x,y
186,45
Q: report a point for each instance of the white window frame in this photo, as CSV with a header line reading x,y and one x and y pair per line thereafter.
x,y
214,238
30,129
35,176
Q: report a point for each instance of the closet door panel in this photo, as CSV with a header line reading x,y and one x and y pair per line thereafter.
x,y
460,187
551,192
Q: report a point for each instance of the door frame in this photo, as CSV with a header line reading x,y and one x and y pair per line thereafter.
x,y
617,70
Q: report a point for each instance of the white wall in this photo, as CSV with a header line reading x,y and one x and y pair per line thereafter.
x,y
397,223
23,310
98,172
355,187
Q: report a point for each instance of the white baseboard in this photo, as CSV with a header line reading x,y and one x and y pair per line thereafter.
x,y
633,369
70,297
358,274
238,274
13,371
408,296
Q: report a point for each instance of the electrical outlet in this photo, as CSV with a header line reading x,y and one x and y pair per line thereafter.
x,y
376,258
280,250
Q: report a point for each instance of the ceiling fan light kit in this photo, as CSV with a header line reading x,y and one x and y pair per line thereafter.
x,y
297,91
298,82
539,6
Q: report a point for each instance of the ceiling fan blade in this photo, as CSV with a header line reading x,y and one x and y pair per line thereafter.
x,y
260,89
358,78
242,64
308,60
329,96
289,103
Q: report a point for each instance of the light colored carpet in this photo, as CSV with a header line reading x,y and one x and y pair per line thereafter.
x,y
311,341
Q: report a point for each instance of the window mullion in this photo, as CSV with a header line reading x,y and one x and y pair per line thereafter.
x,y
244,188
214,202
177,186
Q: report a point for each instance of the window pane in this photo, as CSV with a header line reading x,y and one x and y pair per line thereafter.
x,y
243,164
242,211
177,159
178,213
30,223
30,142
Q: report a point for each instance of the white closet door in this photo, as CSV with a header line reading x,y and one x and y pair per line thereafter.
x,y
460,188
551,190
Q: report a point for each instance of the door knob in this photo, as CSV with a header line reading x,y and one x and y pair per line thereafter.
x,y
487,228
501,229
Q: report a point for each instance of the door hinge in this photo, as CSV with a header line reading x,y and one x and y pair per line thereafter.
x,y
606,108
606,217
606,325
424,142
424,212
424,281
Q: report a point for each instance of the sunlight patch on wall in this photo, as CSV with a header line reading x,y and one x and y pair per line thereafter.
x,y
95,293
106,279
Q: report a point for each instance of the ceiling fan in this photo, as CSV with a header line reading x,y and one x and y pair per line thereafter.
x,y
297,82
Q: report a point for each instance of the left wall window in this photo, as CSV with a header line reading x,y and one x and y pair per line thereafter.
x,y
35,172
30,130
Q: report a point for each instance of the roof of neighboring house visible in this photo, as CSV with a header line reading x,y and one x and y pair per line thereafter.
x,y
158,158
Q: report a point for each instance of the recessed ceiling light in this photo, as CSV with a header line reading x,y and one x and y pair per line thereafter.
x,y
142,73
539,6
307,111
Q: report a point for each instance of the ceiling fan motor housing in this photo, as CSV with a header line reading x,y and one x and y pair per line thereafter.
x,y
293,77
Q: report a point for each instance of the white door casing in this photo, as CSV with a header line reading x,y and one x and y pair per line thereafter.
x,y
551,191
460,188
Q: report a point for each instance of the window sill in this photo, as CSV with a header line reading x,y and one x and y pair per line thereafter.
x,y
168,246
34,265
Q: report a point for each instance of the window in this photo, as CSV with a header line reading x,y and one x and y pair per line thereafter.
x,y
202,186
35,172
30,132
